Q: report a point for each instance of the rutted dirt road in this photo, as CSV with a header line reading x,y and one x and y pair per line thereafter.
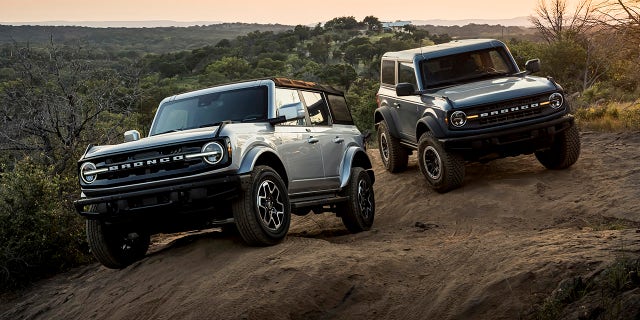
x,y
489,250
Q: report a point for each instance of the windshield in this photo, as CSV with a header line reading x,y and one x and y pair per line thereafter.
x,y
241,105
466,67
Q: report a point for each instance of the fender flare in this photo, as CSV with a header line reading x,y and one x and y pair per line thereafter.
x,y
383,113
251,157
358,156
429,123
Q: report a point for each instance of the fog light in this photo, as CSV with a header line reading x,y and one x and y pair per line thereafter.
x,y
458,119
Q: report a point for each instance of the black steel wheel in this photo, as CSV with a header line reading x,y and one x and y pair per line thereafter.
x,y
394,156
564,150
116,246
358,212
443,170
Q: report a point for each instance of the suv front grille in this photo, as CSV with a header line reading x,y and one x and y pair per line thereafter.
x,y
148,165
507,112
149,161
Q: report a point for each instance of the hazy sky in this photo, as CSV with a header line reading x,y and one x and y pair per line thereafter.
x,y
260,11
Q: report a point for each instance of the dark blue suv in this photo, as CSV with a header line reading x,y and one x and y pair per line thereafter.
x,y
467,100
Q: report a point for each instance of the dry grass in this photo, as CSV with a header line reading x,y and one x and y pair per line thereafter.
x,y
612,117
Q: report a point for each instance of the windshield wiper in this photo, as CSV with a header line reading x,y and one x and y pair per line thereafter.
x,y
168,131
210,124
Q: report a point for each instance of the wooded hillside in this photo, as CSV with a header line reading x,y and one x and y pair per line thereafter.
x,y
62,88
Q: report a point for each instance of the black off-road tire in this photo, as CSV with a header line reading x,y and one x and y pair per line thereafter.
x,y
564,151
115,246
358,212
394,156
443,170
262,213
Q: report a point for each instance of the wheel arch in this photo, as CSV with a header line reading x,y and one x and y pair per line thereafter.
x,y
355,157
264,156
429,123
384,114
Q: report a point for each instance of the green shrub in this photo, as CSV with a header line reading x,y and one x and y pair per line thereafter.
x,y
39,233
361,98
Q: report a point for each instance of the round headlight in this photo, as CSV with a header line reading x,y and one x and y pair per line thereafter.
x,y
458,119
87,172
556,100
212,152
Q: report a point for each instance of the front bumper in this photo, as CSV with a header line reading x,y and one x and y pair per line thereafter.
x,y
513,141
178,197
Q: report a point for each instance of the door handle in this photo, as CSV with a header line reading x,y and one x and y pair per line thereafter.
x,y
312,140
338,140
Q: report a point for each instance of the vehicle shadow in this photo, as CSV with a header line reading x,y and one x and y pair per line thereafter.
x,y
163,242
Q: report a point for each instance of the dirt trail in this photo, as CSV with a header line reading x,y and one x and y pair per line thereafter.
x,y
489,250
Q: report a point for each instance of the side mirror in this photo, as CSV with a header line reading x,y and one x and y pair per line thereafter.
x,y
532,66
291,111
405,89
131,135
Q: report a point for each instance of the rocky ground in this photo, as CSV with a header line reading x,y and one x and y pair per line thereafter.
x,y
516,241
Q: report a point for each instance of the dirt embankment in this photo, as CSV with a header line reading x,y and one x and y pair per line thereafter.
x,y
490,250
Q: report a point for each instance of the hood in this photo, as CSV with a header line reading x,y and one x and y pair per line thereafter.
x,y
153,141
495,90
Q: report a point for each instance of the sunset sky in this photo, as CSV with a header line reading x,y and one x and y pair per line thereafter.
x,y
259,11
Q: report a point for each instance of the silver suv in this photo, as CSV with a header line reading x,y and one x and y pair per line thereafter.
x,y
241,156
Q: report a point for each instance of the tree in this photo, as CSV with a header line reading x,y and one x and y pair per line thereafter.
x,y
623,16
228,68
319,49
224,43
302,32
372,23
341,75
409,28
60,102
361,98
342,23
555,22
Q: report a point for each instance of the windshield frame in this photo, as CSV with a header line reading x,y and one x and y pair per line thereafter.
x,y
198,118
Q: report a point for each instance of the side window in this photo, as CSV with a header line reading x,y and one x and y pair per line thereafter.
x,y
287,98
388,72
339,109
316,107
406,73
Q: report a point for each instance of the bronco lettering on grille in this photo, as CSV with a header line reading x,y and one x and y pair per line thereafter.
x,y
145,163
508,110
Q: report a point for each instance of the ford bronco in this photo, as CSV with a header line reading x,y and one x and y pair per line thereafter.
x,y
467,100
241,156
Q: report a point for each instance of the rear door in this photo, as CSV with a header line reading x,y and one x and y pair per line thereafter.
x,y
332,123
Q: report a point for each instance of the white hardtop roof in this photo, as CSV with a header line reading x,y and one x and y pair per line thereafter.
x,y
438,50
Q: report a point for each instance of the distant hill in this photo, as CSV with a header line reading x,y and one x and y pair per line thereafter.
x,y
164,36
518,21
116,24
515,22
148,40
473,30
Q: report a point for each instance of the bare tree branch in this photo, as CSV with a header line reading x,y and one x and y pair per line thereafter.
x,y
56,103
